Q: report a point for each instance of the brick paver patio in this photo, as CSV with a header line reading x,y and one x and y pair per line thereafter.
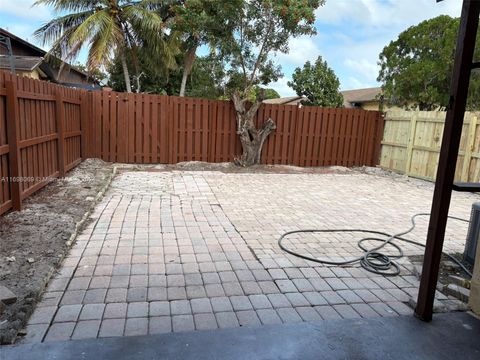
x,y
179,251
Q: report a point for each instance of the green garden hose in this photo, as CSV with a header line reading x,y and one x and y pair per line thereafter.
x,y
372,259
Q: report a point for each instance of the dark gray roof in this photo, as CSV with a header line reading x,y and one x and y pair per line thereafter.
x,y
360,95
285,100
21,63
36,51
82,86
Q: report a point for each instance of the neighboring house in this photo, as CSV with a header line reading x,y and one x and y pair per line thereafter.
x,y
29,60
292,100
367,99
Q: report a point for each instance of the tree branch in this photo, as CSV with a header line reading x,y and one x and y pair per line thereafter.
x,y
267,128
260,54
242,60
238,102
256,105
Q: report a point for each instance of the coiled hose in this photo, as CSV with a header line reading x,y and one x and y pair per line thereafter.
x,y
372,259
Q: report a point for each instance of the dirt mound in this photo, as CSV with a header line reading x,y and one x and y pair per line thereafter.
x,y
34,241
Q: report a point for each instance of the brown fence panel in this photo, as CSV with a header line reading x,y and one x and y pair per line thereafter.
x,y
5,194
46,130
142,128
40,135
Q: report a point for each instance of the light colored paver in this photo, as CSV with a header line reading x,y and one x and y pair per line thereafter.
x,y
179,251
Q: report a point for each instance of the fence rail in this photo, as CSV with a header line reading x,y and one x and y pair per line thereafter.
x,y
141,128
40,136
46,130
412,139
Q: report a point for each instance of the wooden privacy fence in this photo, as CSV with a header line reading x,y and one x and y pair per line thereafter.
x,y
40,136
142,128
412,139
46,130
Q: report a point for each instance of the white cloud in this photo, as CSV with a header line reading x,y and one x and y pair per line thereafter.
x,y
334,12
354,32
23,9
352,82
21,18
282,87
378,13
302,49
367,69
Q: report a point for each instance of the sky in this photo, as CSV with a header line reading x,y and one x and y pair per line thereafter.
x,y
350,34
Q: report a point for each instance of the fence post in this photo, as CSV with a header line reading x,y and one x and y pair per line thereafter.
x,y
411,141
13,139
83,124
469,147
378,137
172,122
59,118
295,145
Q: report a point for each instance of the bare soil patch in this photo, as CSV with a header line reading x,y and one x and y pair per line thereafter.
x,y
232,168
446,268
33,242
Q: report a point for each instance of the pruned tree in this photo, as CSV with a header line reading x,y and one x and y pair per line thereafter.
x,y
318,83
262,28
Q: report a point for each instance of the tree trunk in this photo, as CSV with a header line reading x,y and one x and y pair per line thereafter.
x,y
126,74
184,83
251,138
137,80
187,68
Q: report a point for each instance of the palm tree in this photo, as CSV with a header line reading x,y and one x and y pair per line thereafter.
x,y
108,28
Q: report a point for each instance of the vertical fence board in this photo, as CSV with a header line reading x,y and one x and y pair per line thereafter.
x,y
122,110
164,129
13,143
60,119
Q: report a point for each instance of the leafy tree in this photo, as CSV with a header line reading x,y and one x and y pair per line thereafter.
x,y
108,29
146,78
96,75
267,93
234,80
318,83
416,68
262,28
201,22
207,78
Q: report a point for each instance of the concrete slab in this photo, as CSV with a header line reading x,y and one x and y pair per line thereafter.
x,y
383,338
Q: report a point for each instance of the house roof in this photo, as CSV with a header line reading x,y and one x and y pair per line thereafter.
x,y
13,37
36,51
290,100
360,95
21,63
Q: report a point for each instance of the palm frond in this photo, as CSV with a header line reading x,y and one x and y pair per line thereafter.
x,y
69,5
147,29
107,39
96,22
146,24
61,48
110,27
56,28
